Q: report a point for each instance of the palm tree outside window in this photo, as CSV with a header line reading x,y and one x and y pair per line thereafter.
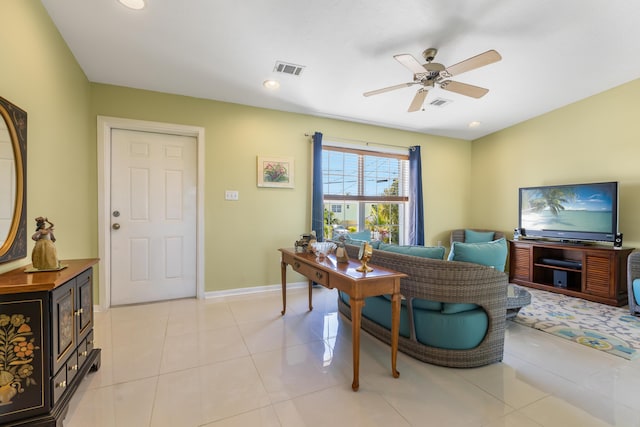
x,y
372,189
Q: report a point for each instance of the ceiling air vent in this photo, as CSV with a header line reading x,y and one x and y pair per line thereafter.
x,y
286,68
440,102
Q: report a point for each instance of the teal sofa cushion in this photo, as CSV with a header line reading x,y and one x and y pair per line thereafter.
x,y
363,236
422,304
360,237
492,254
460,327
471,236
636,290
433,252
425,304
378,309
457,307
459,331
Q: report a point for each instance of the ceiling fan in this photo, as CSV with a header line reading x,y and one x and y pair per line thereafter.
x,y
432,73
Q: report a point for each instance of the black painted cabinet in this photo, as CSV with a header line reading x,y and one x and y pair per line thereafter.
x,y
46,342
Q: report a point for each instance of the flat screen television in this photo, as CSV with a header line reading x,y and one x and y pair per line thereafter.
x,y
574,212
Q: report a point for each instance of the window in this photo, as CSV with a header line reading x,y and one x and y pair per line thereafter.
x,y
371,187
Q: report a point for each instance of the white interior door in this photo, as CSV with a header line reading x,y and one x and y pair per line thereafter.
x,y
153,216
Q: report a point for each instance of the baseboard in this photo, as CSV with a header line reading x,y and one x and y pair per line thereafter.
x,y
239,291
253,290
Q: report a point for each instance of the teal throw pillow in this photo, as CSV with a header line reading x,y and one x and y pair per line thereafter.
x,y
433,252
492,254
471,236
360,235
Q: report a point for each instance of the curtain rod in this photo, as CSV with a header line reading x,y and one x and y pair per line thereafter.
x,y
359,141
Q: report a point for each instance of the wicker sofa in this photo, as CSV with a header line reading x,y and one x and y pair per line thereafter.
x,y
453,284
633,282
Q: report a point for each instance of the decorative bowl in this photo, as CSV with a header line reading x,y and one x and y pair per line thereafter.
x,y
322,249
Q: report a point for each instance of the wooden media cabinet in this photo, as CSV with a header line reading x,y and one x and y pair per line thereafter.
x,y
593,272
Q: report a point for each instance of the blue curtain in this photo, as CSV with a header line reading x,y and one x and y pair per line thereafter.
x,y
317,206
416,211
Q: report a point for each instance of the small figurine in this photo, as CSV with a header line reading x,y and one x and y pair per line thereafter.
x,y
366,251
44,255
341,251
302,245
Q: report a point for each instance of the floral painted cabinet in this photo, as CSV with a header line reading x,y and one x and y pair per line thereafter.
x,y
23,364
46,342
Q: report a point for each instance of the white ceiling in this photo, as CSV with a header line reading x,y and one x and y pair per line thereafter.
x,y
554,53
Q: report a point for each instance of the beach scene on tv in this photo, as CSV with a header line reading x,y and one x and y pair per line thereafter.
x,y
568,208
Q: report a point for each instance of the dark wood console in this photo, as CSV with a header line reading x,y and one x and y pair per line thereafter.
x,y
593,272
46,342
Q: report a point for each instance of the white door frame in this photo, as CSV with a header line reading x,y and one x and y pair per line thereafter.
x,y
105,125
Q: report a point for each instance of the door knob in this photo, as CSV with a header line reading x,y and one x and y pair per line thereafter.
x,y
116,226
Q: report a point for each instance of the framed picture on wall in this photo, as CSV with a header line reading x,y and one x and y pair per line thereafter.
x,y
275,172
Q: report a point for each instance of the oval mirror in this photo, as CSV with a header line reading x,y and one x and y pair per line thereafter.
x,y
13,145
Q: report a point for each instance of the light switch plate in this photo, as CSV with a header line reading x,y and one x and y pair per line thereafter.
x,y
231,195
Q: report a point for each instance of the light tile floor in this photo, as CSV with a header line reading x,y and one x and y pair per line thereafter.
x,y
236,362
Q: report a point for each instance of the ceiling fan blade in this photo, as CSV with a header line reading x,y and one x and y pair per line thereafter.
x,y
411,63
418,100
388,89
464,89
486,58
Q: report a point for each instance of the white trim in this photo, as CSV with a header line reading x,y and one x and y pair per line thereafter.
x,y
366,147
254,290
105,125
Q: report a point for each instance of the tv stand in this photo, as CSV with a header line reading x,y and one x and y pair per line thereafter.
x,y
593,272
574,242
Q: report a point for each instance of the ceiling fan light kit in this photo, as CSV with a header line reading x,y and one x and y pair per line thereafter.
x,y
431,73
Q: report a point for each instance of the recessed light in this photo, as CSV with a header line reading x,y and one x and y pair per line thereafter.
x,y
271,84
474,124
133,4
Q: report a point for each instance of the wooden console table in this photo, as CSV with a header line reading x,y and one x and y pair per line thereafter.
x,y
46,336
344,277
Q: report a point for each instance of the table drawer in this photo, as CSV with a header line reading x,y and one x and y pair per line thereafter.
x,y
311,273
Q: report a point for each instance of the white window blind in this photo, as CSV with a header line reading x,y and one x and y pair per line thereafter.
x,y
363,175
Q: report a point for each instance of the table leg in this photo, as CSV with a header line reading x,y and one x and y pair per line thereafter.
x,y
356,313
310,286
283,275
395,332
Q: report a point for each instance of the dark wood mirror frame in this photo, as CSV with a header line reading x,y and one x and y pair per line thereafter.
x,y
15,246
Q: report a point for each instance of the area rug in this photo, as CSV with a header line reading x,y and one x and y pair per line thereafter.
x,y
602,327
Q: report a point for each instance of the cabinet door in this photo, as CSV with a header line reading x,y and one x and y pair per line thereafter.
x,y
84,305
64,337
598,275
24,361
520,268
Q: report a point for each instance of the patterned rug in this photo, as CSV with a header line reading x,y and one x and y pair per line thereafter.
x,y
599,326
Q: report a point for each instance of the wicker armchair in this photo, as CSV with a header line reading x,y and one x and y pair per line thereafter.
x,y
458,235
633,273
445,281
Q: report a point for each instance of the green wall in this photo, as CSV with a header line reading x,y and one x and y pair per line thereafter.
x,y
241,238
593,140
40,75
